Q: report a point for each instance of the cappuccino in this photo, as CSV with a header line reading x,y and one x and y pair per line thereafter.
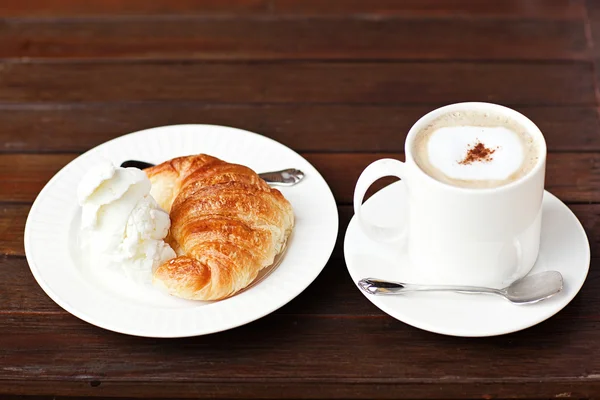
x,y
475,149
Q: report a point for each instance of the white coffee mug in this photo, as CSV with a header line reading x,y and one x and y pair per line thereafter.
x,y
463,236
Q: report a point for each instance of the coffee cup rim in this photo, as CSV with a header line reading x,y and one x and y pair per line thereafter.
x,y
528,124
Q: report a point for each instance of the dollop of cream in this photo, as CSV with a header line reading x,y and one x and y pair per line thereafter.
x,y
122,226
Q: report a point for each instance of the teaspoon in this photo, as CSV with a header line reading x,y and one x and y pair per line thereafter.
x,y
527,290
285,177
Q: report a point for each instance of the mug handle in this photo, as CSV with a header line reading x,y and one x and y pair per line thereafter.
x,y
376,170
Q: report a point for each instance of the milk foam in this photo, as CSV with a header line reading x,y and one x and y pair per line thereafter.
x,y
440,148
448,146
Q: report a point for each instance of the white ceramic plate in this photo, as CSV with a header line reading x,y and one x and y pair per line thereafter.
x,y
122,306
564,247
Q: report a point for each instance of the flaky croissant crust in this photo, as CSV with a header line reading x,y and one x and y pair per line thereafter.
x,y
226,225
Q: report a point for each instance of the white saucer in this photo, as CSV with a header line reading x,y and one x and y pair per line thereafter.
x,y
125,306
564,248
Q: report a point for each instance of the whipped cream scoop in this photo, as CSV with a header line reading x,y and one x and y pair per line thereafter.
x,y
122,226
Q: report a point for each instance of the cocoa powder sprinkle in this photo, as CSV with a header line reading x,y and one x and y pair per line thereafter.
x,y
478,153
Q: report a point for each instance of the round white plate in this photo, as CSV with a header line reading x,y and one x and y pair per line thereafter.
x,y
122,306
564,248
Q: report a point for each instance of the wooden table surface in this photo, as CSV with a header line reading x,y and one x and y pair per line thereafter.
x,y
339,81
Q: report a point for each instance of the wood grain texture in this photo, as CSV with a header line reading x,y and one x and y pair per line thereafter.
x,y
12,227
577,388
108,8
538,9
23,176
592,24
573,177
555,9
356,83
340,128
299,349
282,39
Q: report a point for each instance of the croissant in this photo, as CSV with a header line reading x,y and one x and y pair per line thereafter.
x,y
226,225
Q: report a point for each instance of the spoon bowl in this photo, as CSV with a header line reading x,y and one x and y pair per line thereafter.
x,y
534,288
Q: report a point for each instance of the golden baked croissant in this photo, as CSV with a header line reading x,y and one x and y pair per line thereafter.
x,y
226,225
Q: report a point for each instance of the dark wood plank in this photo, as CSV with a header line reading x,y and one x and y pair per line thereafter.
x,y
573,177
12,226
363,83
294,350
555,9
139,356
583,387
283,39
23,294
593,25
589,216
79,127
593,32
69,8
24,176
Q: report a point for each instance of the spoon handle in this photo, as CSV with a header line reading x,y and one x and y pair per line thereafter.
x,y
381,287
285,177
